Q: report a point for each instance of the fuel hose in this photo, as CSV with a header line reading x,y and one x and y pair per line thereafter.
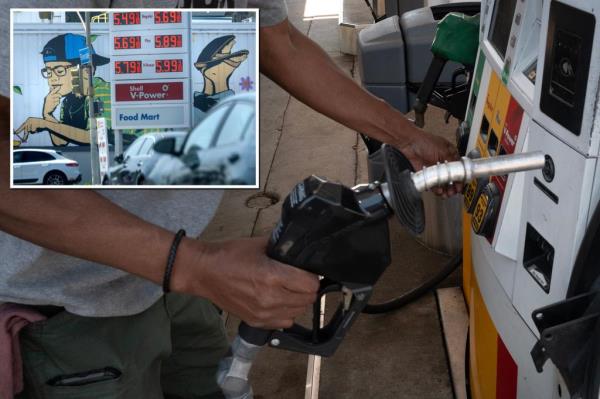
x,y
417,292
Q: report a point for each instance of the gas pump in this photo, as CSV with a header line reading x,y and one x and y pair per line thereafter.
x,y
529,276
392,54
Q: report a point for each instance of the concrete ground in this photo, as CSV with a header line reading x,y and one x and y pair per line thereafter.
x,y
397,355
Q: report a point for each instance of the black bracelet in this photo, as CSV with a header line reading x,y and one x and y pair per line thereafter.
x,y
171,260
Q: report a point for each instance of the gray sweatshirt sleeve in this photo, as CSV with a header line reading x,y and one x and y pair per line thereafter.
x,y
271,12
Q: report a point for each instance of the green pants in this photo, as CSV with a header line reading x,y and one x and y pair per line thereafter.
x,y
171,350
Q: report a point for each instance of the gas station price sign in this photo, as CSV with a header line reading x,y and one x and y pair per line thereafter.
x,y
127,67
150,69
142,41
127,42
146,20
167,66
126,18
164,41
167,17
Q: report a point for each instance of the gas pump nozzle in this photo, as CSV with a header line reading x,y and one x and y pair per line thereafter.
x,y
341,233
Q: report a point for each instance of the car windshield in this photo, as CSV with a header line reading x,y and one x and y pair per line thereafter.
x,y
147,146
134,147
202,136
236,124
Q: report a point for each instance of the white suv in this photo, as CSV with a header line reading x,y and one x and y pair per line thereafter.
x,y
44,167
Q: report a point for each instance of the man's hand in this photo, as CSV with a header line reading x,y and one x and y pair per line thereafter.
x,y
425,149
33,125
51,101
239,278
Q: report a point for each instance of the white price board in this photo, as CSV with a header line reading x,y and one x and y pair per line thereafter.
x,y
102,146
143,117
165,41
168,66
144,20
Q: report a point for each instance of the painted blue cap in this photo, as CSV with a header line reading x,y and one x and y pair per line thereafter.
x,y
66,48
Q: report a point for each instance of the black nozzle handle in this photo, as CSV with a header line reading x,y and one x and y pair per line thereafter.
x,y
254,335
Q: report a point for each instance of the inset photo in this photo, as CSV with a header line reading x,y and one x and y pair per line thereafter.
x,y
134,98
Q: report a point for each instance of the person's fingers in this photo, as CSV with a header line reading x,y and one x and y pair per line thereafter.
x,y
298,299
271,324
288,312
297,280
21,128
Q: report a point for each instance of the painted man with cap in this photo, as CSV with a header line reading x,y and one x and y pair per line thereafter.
x,y
61,56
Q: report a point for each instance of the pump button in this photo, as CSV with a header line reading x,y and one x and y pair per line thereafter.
x,y
486,210
548,170
471,193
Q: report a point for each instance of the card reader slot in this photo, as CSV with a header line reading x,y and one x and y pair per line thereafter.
x,y
485,128
538,258
493,144
545,190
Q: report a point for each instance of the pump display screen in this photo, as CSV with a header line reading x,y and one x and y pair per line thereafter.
x,y
502,18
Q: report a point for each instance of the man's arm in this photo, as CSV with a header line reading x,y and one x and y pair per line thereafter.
x,y
236,275
60,130
301,67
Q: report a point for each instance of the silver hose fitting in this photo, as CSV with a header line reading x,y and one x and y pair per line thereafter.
x,y
232,374
468,169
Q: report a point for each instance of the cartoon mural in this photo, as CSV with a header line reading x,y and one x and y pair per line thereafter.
x,y
217,63
65,115
46,112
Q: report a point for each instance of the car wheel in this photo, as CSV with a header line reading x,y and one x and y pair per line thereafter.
x,y
55,178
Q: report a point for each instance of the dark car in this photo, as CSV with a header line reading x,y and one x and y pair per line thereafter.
x,y
130,167
220,150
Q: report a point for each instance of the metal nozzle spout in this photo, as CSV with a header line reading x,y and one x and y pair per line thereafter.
x,y
467,169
